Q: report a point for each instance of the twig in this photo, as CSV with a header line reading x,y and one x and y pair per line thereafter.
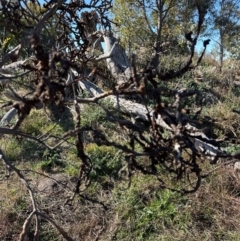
x,y
26,224
60,229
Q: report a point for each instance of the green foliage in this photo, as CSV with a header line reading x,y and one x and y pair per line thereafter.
x,y
106,161
20,204
49,234
131,25
225,25
34,123
92,115
51,160
5,44
72,169
12,147
146,211
72,162
41,122
95,116
145,25
233,149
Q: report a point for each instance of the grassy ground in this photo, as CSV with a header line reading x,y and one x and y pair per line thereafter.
x,y
108,209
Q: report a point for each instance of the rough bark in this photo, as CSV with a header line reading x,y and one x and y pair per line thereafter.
x,y
118,62
90,20
135,110
116,58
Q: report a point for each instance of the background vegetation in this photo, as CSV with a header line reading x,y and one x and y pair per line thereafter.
x,y
56,163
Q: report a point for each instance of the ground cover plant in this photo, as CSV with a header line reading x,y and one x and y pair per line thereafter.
x,y
104,139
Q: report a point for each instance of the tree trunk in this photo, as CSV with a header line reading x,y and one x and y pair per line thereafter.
x,y
118,62
221,56
90,19
156,60
221,50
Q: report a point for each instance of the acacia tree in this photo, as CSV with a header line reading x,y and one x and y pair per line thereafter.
x,y
147,149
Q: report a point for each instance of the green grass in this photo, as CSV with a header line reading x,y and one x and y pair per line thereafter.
x,y
144,211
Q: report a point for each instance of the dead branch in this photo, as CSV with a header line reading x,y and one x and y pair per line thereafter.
x,y
25,41
60,229
26,224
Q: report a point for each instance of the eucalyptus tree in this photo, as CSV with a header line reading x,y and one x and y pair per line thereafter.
x,y
155,25
225,24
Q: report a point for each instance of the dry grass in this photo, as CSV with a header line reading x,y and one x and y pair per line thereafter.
x,y
142,212
215,208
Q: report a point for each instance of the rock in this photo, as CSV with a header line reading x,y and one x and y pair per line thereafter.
x,y
52,184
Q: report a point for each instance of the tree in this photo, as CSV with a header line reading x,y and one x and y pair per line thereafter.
x,y
159,140
27,15
226,22
131,25
163,23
